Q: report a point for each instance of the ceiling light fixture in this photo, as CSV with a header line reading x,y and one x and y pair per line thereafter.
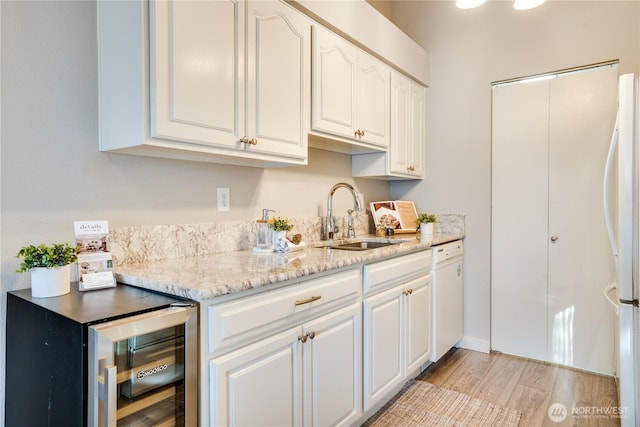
x,y
469,4
526,4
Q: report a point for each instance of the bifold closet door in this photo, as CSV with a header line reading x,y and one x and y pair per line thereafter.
x,y
519,219
550,254
580,321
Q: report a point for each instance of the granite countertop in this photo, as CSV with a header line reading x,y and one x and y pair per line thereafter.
x,y
210,276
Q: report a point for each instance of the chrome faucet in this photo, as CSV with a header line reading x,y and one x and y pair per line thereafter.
x,y
330,225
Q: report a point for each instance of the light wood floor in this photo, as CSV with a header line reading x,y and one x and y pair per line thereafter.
x,y
527,386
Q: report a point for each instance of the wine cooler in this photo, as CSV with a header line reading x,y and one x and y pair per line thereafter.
x,y
141,367
122,356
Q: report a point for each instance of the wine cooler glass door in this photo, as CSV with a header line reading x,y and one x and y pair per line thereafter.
x,y
142,370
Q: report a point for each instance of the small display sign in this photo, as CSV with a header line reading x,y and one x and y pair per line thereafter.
x,y
95,264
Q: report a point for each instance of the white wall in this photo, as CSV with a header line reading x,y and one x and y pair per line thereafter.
x,y
52,172
468,50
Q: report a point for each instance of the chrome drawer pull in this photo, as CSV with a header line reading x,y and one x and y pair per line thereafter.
x,y
308,300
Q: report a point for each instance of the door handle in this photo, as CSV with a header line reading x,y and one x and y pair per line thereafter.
x,y
108,392
554,239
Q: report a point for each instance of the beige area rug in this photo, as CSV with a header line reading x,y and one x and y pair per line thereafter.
x,y
420,403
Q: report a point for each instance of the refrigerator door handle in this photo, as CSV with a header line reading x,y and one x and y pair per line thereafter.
x,y
610,300
606,186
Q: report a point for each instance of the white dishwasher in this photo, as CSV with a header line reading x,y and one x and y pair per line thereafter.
x,y
446,272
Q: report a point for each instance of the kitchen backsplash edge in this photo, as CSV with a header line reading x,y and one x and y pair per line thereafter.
x,y
157,242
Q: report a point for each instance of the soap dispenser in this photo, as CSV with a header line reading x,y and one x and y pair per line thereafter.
x,y
264,233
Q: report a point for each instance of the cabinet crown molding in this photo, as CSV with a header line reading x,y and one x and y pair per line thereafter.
x,y
372,32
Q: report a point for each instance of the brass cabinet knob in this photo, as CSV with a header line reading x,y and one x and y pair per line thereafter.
x,y
247,140
309,335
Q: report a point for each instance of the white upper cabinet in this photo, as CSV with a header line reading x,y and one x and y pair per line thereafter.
x,y
228,81
406,156
350,92
372,107
196,75
278,79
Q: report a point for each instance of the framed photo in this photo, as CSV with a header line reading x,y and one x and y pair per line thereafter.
x,y
399,215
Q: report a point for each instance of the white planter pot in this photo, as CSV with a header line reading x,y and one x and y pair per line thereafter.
x,y
426,229
280,241
50,282
279,235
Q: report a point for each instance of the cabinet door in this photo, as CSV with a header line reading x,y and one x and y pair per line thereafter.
x,y
418,322
372,102
417,131
278,79
334,84
383,333
260,384
406,150
332,368
196,76
399,150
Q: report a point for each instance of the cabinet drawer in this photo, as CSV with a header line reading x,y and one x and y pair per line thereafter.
x,y
248,319
385,274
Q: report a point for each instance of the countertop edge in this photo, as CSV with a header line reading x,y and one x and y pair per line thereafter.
x,y
223,274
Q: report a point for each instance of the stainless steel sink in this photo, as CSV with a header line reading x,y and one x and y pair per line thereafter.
x,y
361,246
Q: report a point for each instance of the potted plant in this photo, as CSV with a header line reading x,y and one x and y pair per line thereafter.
x,y
50,268
426,221
280,227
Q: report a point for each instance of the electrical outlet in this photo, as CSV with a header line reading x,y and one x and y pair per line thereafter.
x,y
224,199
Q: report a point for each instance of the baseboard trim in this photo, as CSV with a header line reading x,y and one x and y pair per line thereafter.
x,y
476,344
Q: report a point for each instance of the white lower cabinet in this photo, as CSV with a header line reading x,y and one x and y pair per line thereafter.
x,y
307,375
396,325
383,329
327,351
260,384
285,357
418,310
397,337
333,368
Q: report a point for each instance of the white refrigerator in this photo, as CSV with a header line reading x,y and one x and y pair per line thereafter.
x,y
622,207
